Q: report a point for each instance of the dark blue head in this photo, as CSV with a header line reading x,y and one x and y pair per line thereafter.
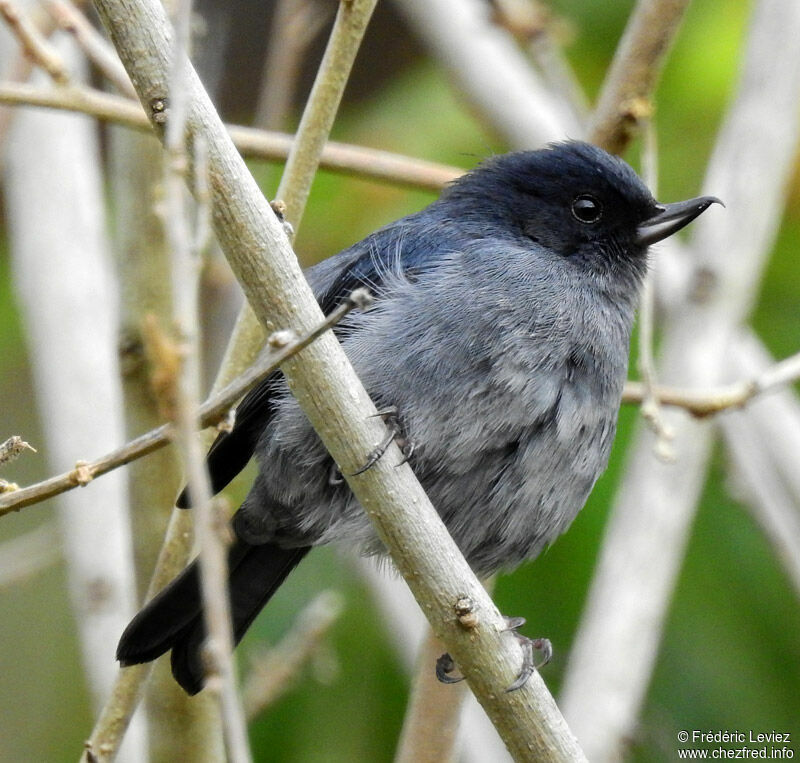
x,y
573,199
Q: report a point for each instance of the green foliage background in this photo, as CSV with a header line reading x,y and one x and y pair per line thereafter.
x,y
730,658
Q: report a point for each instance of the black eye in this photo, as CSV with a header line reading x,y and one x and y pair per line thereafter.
x,y
586,208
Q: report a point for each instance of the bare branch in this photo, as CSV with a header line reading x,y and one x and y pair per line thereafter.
x,y
33,43
257,144
94,45
624,102
491,71
294,25
210,413
304,156
185,260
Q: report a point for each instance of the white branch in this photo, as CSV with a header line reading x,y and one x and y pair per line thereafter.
x,y
763,441
618,640
54,194
491,71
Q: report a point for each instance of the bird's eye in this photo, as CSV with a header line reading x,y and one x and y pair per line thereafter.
x,y
586,208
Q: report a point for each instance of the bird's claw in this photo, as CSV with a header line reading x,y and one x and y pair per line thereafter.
x,y
445,665
529,646
394,432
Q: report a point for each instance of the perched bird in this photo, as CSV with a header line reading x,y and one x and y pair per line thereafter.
x,y
500,336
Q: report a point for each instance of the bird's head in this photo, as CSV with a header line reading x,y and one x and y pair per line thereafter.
x,y
575,201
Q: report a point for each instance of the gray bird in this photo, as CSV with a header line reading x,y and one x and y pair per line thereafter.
x,y
500,331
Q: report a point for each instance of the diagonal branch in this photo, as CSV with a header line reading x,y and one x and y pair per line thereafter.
x,y
211,413
625,100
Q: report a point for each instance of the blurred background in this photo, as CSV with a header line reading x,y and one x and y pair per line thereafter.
x,y
730,653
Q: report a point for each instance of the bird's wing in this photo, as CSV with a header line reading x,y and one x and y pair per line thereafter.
x,y
366,263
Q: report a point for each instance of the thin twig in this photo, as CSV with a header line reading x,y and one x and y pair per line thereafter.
x,y
33,43
323,104
538,29
625,100
370,163
213,557
706,402
651,405
270,674
210,413
97,49
294,25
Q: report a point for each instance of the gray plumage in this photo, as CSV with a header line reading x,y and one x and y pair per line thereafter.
x,y
500,332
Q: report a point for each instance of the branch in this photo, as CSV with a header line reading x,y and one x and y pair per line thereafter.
x,y
304,158
185,257
92,43
295,24
706,402
491,70
33,43
337,406
211,413
624,102
370,163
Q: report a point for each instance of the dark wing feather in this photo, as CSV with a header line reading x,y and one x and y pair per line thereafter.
x,y
363,264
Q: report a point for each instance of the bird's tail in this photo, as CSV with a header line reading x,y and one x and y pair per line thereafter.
x,y
173,619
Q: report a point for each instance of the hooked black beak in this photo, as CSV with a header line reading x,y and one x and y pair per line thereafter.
x,y
670,218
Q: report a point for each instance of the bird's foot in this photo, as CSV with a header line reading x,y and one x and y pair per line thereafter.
x,y
529,646
394,433
445,665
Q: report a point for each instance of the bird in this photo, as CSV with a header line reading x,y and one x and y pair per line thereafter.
x,y
498,340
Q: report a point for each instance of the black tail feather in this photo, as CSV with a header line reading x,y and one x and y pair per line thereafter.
x,y
252,584
174,618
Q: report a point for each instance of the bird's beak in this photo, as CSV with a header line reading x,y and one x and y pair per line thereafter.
x,y
670,218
